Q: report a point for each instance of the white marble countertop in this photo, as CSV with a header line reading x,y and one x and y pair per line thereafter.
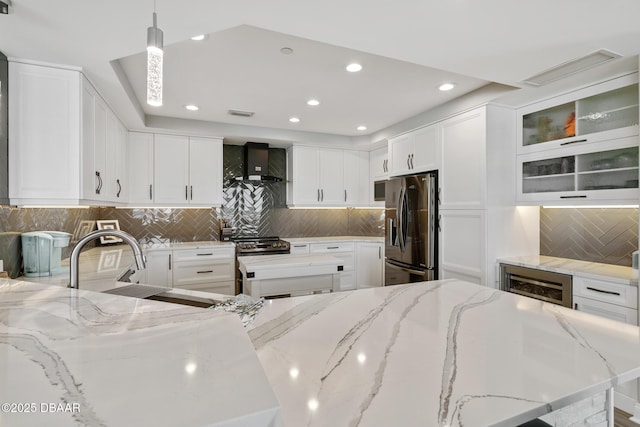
x,y
125,361
294,240
288,265
593,270
186,245
443,353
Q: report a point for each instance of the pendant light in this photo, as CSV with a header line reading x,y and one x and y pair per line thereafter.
x,y
154,62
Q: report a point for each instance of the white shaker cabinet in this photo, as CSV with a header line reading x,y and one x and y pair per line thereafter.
x,y
140,152
344,251
44,135
369,264
416,151
327,177
463,241
379,164
356,178
159,271
171,170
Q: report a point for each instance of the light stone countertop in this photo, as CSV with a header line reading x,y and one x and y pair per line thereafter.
x,y
293,240
593,270
126,361
442,353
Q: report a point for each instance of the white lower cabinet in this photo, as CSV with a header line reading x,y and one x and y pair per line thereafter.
x,y
208,269
299,248
344,251
463,245
158,271
614,301
369,264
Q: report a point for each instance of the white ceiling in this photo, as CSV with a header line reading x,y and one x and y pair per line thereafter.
x,y
402,45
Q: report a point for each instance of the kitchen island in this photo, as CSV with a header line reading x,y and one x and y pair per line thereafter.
x,y
443,353
77,357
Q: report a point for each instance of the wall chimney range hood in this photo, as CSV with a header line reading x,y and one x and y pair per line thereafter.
x,y
256,163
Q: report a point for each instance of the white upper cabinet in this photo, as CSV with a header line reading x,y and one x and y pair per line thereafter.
x,y
205,171
581,147
356,178
327,177
379,164
62,139
463,175
140,150
170,170
416,151
600,112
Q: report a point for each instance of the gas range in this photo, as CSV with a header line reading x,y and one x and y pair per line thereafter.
x,y
260,245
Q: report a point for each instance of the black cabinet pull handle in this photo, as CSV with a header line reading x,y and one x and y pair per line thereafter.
x,y
150,191
119,188
204,272
574,142
322,194
169,261
573,197
186,192
209,254
333,247
603,291
99,187
318,194
191,189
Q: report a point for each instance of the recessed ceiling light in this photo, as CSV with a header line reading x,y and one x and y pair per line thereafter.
x,y
192,107
446,86
361,128
286,51
313,102
354,67
294,120
198,37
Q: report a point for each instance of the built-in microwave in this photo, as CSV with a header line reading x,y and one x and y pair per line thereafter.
x,y
378,191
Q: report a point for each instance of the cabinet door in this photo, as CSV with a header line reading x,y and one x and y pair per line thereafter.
x,y
89,179
205,171
379,164
122,183
463,245
426,153
109,187
305,185
159,268
463,174
356,178
603,309
171,170
400,150
44,134
140,168
369,264
332,192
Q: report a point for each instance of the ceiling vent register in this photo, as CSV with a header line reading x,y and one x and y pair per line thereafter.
x,y
572,67
241,113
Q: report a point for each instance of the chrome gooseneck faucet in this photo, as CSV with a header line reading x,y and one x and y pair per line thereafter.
x,y
75,252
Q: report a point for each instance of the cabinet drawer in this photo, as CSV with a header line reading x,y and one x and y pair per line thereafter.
x,y
607,292
226,288
203,255
299,248
332,247
193,273
603,309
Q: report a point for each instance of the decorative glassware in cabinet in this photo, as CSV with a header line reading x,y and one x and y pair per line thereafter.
x,y
610,110
549,175
606,170
548,125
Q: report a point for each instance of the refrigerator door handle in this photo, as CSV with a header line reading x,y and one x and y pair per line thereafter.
x,y
401,225
408,270
433,206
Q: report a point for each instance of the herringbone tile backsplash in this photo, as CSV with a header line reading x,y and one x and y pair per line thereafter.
x,y
598,235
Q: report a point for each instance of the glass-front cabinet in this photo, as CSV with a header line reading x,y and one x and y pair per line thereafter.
x,y
577,174
600,112
581,147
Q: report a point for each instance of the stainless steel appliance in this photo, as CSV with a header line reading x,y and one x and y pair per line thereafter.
x,y
411,228
252,245
547,286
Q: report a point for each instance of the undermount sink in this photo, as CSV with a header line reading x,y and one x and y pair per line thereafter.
x,y
158,293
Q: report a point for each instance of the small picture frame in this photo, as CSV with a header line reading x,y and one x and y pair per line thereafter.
x,y
110,224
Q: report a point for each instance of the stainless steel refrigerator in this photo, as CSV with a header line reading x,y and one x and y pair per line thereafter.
x,y
411,228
